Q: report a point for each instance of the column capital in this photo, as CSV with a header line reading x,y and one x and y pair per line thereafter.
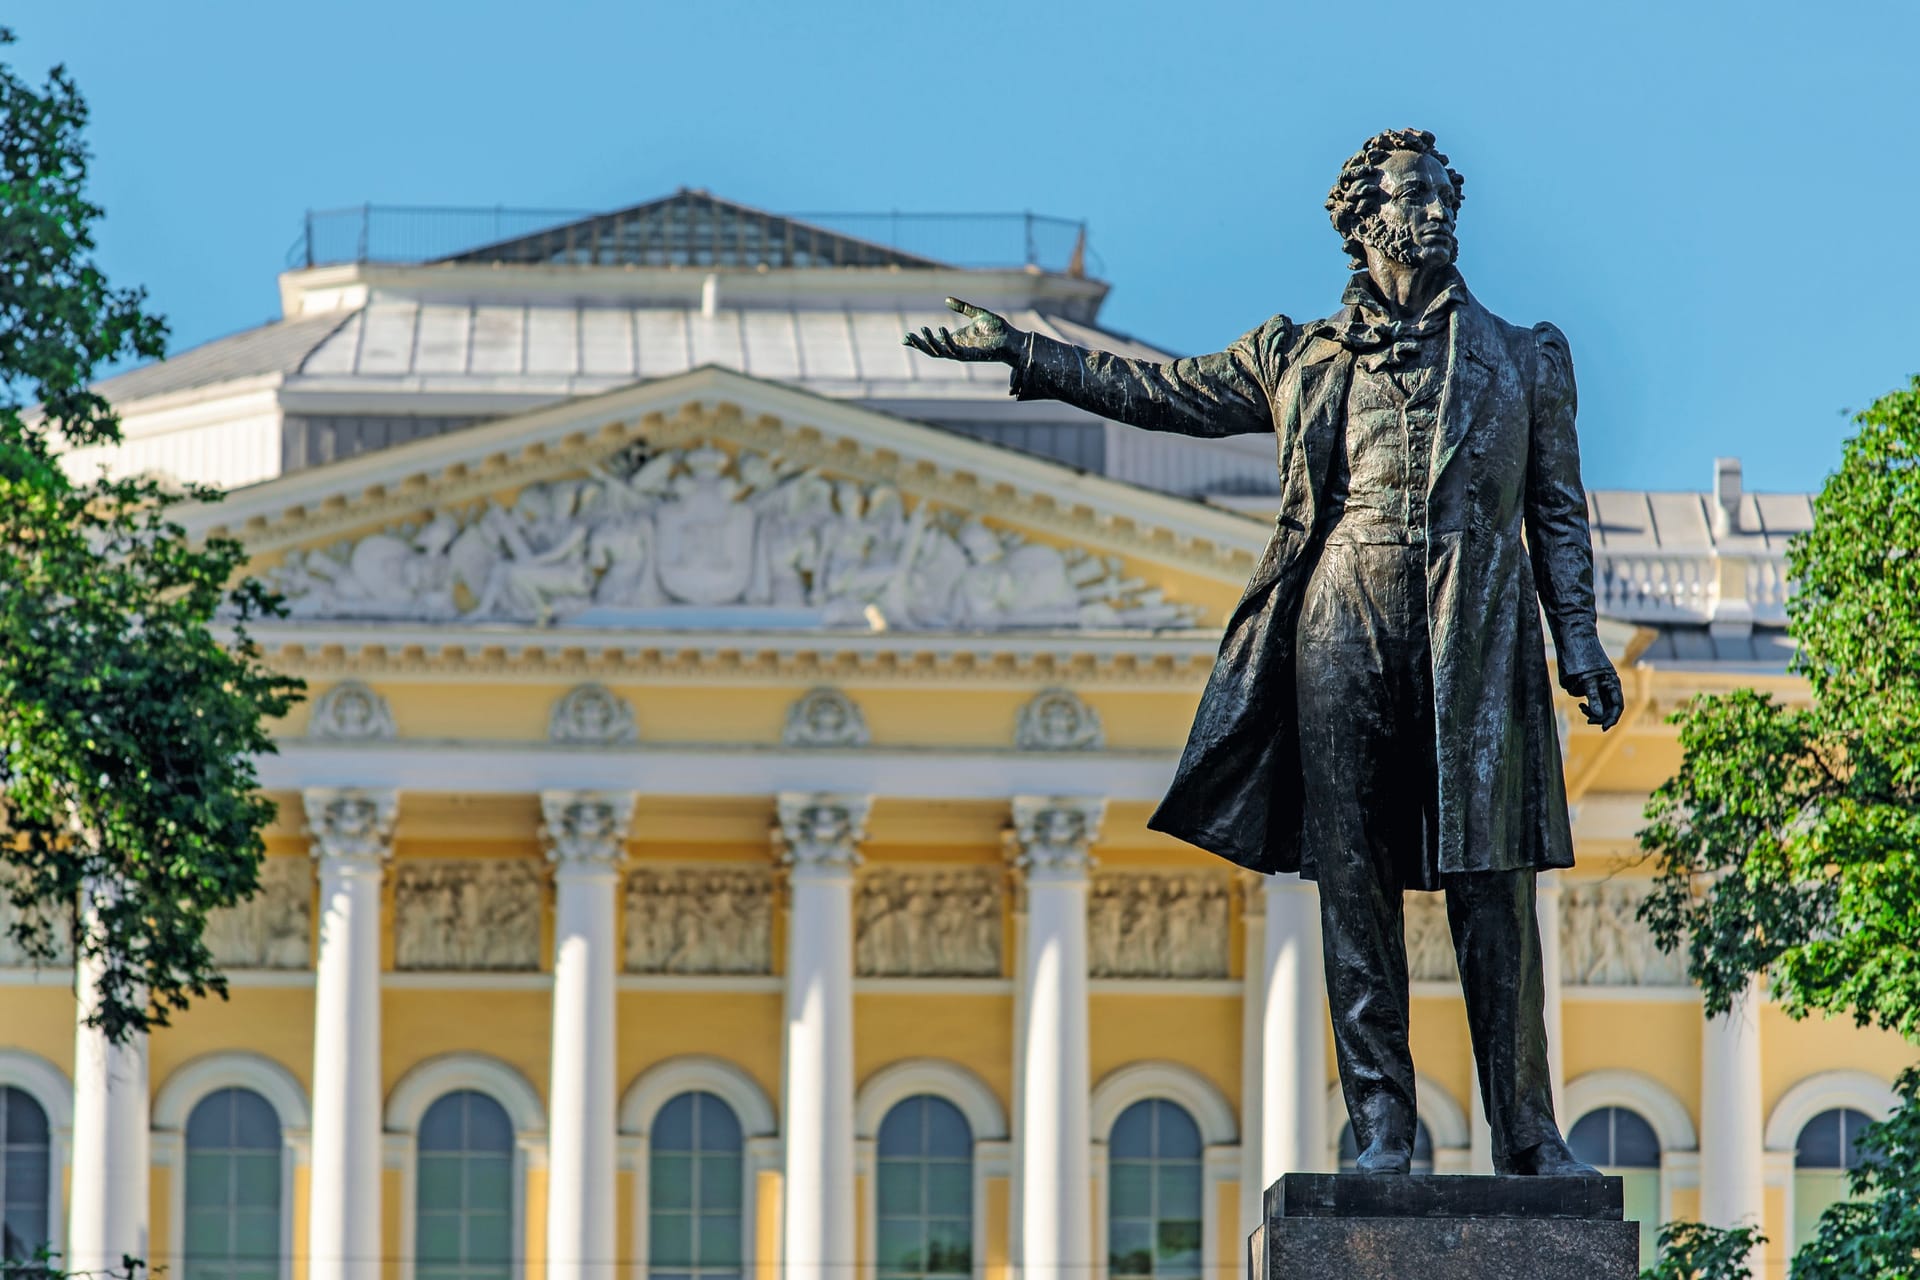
x,y
352,825
1051,834
585,830
820,832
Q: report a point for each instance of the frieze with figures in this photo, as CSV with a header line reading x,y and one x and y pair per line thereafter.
x,y
466,914
699,920
659,538
928,922
1157,925
1604,943
273,928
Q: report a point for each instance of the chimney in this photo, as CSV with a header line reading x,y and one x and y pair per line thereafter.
x,y
1726,496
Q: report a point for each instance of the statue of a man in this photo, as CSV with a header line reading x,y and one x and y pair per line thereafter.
x,y
1379,718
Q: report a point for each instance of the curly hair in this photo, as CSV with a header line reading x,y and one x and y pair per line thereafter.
x,y
1356,195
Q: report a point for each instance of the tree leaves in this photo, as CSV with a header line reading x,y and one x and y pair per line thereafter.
x,y
128,729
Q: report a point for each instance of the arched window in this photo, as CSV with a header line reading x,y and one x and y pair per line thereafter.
x,y
26,1161
463,1193
1422,1149
1822,1157
232,1224
1154,1192
695,1187
924,1185
1619,1141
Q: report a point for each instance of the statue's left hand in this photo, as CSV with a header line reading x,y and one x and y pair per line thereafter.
x,y
1601,691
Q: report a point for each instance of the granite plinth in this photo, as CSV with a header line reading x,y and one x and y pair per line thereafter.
x,y
1335,1226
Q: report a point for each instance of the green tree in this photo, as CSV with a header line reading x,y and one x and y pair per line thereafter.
x,y
1690,1251
1789,841
128,728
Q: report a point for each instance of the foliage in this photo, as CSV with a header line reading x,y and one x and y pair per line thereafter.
x,y
1875,1235
127,727
1692,1251
1789,840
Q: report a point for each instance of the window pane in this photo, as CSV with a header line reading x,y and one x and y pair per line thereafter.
x,y
949,1245
488,1128
1591,1139
950,1189
1640,1192
489,1183
673,1126
901,1131
1132,1132
1635,1145
1130,1190
719,1129
440,1128
489,1237
1180,1190
438,1184
437,1237
207,1232
900,1244
719,1244
947,1131
208,1180
1813,1192
26,1174
256,1235
670,1182
255,1126
897,1187
1130,1247
211,1122
1179,1244
719,1180
256,1180
670,1239
1851,1125
1178,1134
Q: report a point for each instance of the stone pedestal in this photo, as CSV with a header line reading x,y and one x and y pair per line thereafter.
x,y
1336,1226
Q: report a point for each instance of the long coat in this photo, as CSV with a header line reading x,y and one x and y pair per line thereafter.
x,y
1504,459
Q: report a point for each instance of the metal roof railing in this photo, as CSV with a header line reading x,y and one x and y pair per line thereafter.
x,y
689,230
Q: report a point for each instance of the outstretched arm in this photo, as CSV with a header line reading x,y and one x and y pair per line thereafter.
x,y
1212,395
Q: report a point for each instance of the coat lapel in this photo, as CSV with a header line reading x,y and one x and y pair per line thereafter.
x,y
1326,369
1471,352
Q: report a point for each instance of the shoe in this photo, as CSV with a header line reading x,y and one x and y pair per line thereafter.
x,y
1384,1159
1550,1160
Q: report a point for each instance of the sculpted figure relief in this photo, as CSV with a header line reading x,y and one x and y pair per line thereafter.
x,y
592,715
1057,720
1380,718
1152,925
700,920
1605,944
699,528
1429,941
478,913
933,923
272,929
352,712
825,717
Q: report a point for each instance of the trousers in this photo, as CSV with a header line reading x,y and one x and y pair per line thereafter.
x,y
1365,688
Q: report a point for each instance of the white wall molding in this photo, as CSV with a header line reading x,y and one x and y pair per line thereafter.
x,y
950,1081
1137,1081
1827,1091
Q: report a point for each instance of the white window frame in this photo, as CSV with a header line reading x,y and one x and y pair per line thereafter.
x,y
1651,1101
173,1106
1438,1109
760,1149
1219,1138
47,1085
949,1081
1798,1106
433,1080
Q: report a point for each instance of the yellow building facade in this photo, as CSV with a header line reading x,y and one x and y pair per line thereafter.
x,y
714,844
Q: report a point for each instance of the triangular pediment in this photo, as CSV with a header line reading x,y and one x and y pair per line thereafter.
x,y
715,501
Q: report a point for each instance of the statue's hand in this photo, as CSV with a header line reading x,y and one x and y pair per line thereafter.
x,y
1601,689
985,336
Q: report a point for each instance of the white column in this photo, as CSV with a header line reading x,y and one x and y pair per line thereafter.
x,y
1732,1190
1546,910
107,1217
586,837
1293,1033
352,832
821,835
1056,1195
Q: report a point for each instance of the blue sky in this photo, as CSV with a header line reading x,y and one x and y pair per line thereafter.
x,y
1719,203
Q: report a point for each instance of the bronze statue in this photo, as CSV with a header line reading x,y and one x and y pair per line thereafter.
x,y
1379,718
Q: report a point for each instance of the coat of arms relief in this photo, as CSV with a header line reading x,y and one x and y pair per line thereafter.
x,y
698,536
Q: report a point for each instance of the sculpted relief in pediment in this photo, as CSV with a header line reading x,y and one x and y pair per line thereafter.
x,y
700,537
